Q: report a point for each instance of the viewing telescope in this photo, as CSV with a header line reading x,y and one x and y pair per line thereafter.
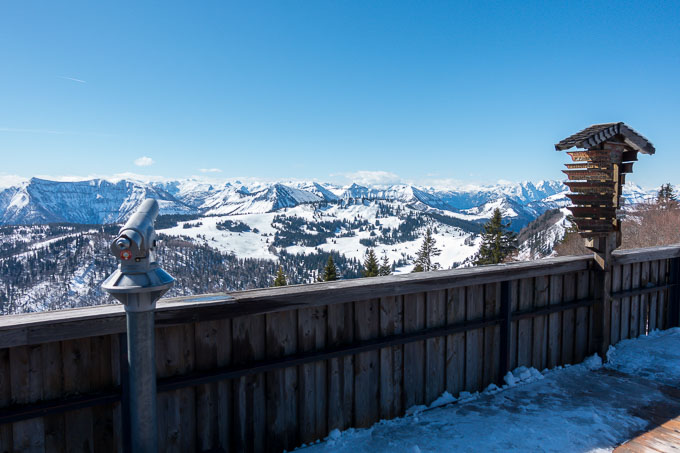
x,y
138,270
138,283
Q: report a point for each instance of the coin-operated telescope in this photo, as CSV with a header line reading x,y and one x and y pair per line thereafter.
x,y
138,272
138,283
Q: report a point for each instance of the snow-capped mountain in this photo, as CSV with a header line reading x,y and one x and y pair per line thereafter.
x,y
102,201
95,201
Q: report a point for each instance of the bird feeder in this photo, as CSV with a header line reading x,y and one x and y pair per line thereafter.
x,y
595,179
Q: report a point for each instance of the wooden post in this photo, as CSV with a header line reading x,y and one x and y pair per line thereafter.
x,y
674,294
602,291
506,341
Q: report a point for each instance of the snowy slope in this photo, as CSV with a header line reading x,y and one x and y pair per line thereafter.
x,y
95,201
457,245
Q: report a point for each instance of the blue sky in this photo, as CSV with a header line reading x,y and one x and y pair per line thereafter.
x,y
416,91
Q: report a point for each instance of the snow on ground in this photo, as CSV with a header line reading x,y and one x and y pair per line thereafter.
x,y
451,240
660,361
580,408
244,245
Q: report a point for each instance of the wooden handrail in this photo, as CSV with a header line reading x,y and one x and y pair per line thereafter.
x,y
35,328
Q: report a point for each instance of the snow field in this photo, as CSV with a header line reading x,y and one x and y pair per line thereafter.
x,y
449,239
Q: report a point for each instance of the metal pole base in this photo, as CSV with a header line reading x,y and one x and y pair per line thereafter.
x,y
142,360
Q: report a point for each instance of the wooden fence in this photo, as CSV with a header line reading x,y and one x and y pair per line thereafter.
x,y
271,369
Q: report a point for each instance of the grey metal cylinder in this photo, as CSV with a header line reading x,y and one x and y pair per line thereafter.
x,y
138,283
142,371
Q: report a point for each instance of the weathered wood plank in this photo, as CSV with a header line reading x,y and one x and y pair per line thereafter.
x,y
568,319
366,364
53,387
205,341
540,347
634,325
662,301
341,369
168,363
187,396
615,332
524,326
514,306
492,335
391,358
281,385
6,441
224,388
644,299
474,340
455,344
435,348
102,379
248,344
582,328
653,297
414,353
646,254
626,282
555,295
77,362
313,392
27,387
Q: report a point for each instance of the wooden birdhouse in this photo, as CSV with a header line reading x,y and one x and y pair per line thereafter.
x,y
595,178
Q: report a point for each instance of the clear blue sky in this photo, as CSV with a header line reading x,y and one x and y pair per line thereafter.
x,y
473,91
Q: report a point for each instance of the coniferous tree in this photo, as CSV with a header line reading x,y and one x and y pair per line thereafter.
x,y
330,272
497,241
371,267
428,250
666,197
385,266
280,279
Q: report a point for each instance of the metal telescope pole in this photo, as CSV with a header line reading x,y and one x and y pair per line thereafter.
x,y
138,283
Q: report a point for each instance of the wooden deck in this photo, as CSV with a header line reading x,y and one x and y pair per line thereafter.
x,y
663,434
270,369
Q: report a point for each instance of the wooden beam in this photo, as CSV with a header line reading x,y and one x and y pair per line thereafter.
x,y
44,327
36,328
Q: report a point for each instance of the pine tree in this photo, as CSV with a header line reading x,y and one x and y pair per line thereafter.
x,y
330,272
371,268
385,266
428,250
497,241
280,279
666,197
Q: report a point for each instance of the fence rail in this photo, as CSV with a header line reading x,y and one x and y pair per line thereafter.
x,y
270,369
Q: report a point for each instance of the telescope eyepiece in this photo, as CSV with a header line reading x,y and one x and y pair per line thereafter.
x,y
123,243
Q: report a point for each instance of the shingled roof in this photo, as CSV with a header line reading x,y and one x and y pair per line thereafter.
x,y
592,136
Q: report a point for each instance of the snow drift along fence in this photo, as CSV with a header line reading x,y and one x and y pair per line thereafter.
x,y
275,368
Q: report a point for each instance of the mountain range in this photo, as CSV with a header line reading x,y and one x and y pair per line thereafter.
x,y
99,201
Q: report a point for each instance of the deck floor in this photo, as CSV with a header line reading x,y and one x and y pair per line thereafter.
x,y
663,434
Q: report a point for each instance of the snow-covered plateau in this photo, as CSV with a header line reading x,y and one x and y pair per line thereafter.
x,y
588,407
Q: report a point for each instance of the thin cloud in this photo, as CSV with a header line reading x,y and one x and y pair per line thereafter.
x,y
72,79
144,161
210,170
9,180
33,131
377,177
